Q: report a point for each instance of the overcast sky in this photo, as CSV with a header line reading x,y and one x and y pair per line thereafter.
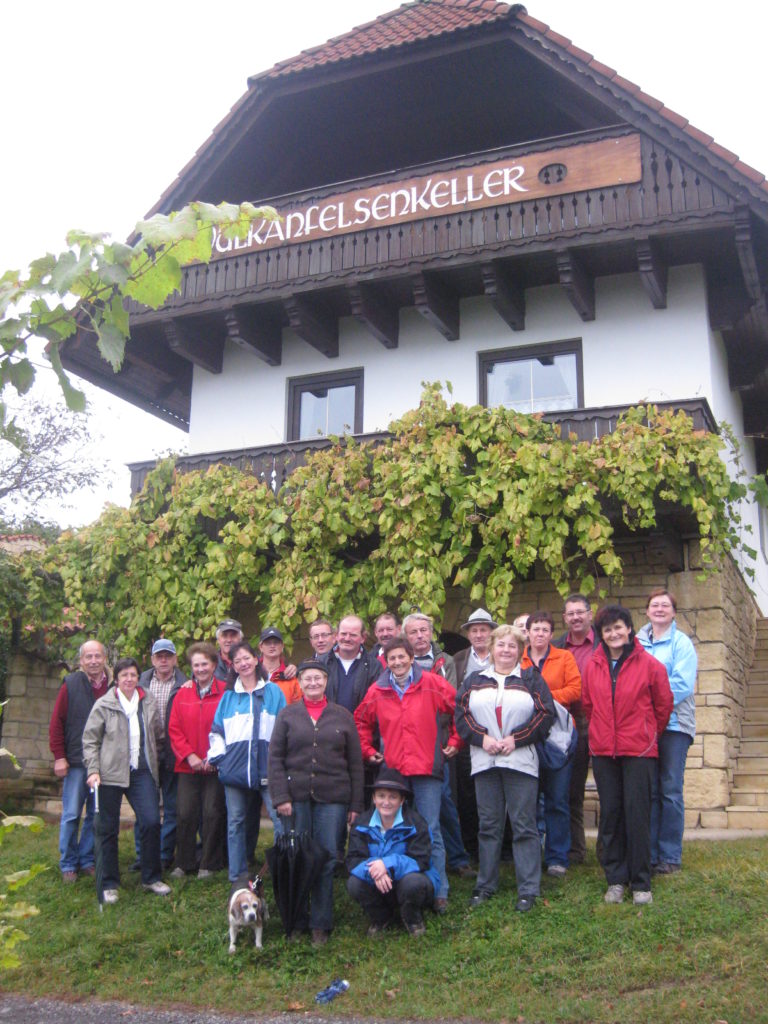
x,y
104,102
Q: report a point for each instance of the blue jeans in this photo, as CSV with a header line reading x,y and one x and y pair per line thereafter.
x,y
326,824
168,788
427,795
76,852
455,853
143,798
243,814
556,787
667,807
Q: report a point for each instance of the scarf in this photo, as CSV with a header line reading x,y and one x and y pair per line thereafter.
x,y
131,709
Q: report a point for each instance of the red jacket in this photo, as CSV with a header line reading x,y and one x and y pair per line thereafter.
x,y
626,723
191,720
410,728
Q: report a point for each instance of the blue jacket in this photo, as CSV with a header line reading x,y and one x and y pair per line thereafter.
x,y
678,656
404,848
241,731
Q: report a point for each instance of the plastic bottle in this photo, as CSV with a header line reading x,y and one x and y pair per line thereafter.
x,y
334,989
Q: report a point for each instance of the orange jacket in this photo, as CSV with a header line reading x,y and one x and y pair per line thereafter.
x,y
560,672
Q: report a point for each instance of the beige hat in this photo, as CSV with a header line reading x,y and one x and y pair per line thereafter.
x,y
479,617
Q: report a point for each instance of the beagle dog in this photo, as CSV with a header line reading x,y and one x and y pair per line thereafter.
x,y
247,909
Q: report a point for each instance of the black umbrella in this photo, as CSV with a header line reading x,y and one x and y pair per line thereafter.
x,y
98,853
295,863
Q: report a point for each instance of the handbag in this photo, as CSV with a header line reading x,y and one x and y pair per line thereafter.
x,y
558,748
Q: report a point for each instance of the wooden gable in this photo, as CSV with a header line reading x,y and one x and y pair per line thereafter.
x,y
434,98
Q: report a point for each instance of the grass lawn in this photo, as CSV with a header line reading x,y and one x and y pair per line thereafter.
x,y
697,954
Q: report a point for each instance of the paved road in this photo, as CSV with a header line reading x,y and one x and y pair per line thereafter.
x,y
16,1010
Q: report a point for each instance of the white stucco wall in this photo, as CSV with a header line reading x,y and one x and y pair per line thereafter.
x,y
631,352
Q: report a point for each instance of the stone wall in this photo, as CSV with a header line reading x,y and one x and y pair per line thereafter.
x,y
717,613
31,690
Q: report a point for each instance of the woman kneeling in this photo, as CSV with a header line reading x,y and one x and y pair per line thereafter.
x,y
390,858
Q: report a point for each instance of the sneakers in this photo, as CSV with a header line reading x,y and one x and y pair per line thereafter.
x,y
110,895
178,873
525,903
663,868
319,936
478,898
556,871
158,888
614,894
204,873
641,897
69,877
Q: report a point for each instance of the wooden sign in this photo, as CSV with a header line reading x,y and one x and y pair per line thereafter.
x,y
591,165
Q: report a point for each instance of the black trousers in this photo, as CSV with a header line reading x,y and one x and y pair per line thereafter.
x,y
576,796
624,786
200,802
410,894
466,802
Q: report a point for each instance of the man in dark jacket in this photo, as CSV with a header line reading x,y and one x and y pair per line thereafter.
x,y
78,693
581,641
351,669
163,681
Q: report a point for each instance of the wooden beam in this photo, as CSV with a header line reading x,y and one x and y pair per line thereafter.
x,y
372,308
150,353
653,272
438,304
746,253
578,284
315,323
506,294
252,328
198,345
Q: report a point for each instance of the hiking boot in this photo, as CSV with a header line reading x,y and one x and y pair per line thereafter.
x,y
415,928
90,871
440,906
319,936
525,903
464,871
663,868
158,888
641,897
614,894
69,877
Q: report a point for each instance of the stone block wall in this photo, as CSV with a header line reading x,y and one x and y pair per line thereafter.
x,y
718,613
31,689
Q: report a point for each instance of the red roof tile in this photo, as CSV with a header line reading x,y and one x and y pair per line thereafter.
x,y
420,19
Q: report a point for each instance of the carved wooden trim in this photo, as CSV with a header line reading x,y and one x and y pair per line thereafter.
x,y
746,253
506,293
381,317
314,323
192,343
578,284
653,272
438,304
251,329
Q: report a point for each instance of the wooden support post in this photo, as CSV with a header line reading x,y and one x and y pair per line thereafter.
x,y
256,329
314,323
578,284
199,346
438,304
653,272
506,294
379,314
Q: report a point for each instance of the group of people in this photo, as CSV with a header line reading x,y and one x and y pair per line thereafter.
x,y
413,761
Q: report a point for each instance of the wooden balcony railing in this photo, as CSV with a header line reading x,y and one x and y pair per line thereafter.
x,y
274,463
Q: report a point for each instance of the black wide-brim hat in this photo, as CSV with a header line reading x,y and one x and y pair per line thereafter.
x,y
390,778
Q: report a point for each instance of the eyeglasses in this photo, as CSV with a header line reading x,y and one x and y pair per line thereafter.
x,y
321,636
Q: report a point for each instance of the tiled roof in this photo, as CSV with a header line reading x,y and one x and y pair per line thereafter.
x,y
679,122
420,19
